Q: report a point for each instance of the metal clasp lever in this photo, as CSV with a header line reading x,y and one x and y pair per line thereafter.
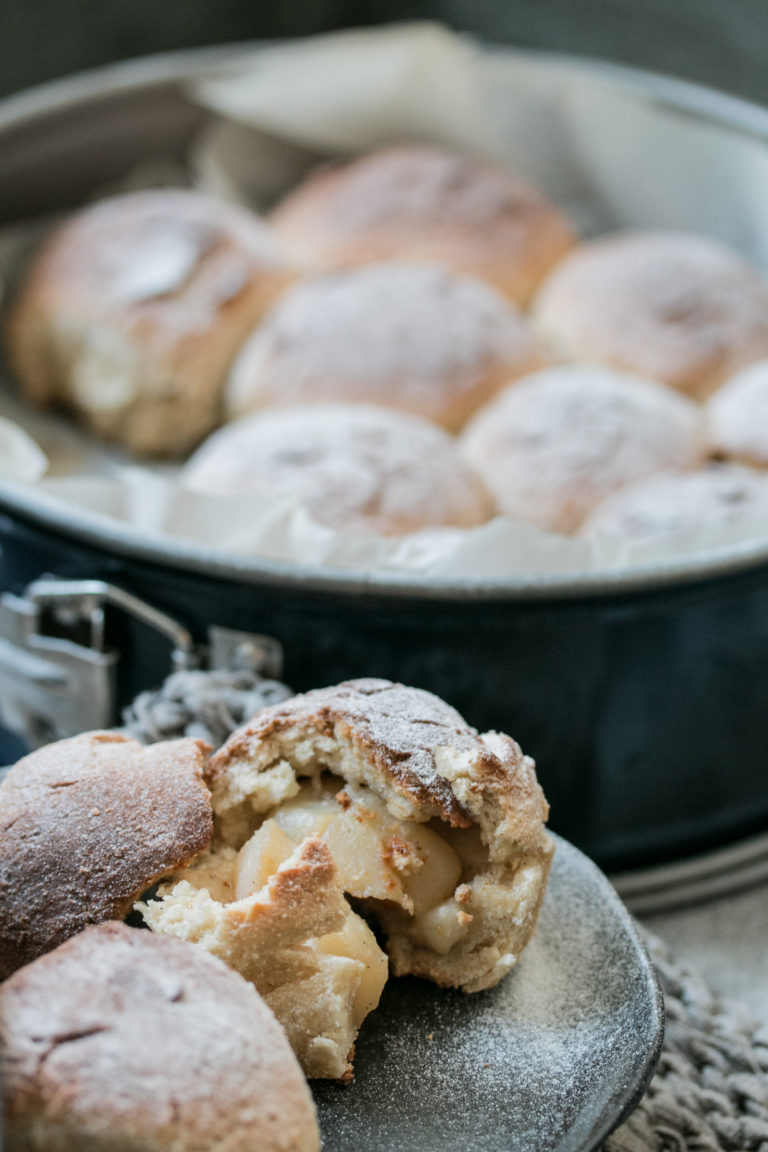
x,y
57,677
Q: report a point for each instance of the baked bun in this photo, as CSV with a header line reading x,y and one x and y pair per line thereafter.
x,y
124,1040
88,824
720,496
353,467
426,204
436,831
402,335
134,309
553,445
737,417
672,306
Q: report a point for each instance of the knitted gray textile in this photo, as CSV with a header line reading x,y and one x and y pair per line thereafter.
x,y
208,705
710,1092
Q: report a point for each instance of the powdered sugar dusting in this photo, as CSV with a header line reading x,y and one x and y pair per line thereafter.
x,y
673,306
400,325
161,263
738,416
423,185
553,445
721,495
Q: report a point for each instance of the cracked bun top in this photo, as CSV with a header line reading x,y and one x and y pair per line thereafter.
x,y
123,1039
426,204
407,745
87,824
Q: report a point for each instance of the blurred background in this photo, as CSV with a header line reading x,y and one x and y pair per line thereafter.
x,y
717,42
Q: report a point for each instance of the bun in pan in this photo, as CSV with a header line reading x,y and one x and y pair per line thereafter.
x,y
134,309
720,496
426,204
407,336
672,306
436,831
353,467
120,1039
553,445
88,824
275,912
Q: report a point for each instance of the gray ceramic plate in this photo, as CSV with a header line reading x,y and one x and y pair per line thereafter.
x,y
553,1058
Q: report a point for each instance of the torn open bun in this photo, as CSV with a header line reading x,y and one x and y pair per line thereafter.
x,y
437,832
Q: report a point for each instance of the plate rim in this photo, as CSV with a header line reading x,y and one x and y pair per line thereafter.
x,y
614,1113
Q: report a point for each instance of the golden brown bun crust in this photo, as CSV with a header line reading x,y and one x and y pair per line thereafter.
x,y
123,1040
406,336
134,309
426,204
353,467
672,306
393,727
86,825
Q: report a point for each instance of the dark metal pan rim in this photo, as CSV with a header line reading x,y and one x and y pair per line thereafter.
x,y
679,96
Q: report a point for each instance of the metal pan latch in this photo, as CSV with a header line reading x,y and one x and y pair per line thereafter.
x,y
58,677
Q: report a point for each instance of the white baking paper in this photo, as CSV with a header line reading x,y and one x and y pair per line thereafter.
x,y
21,458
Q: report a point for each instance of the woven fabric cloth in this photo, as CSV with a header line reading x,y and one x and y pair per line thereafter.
x,y
710,1091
